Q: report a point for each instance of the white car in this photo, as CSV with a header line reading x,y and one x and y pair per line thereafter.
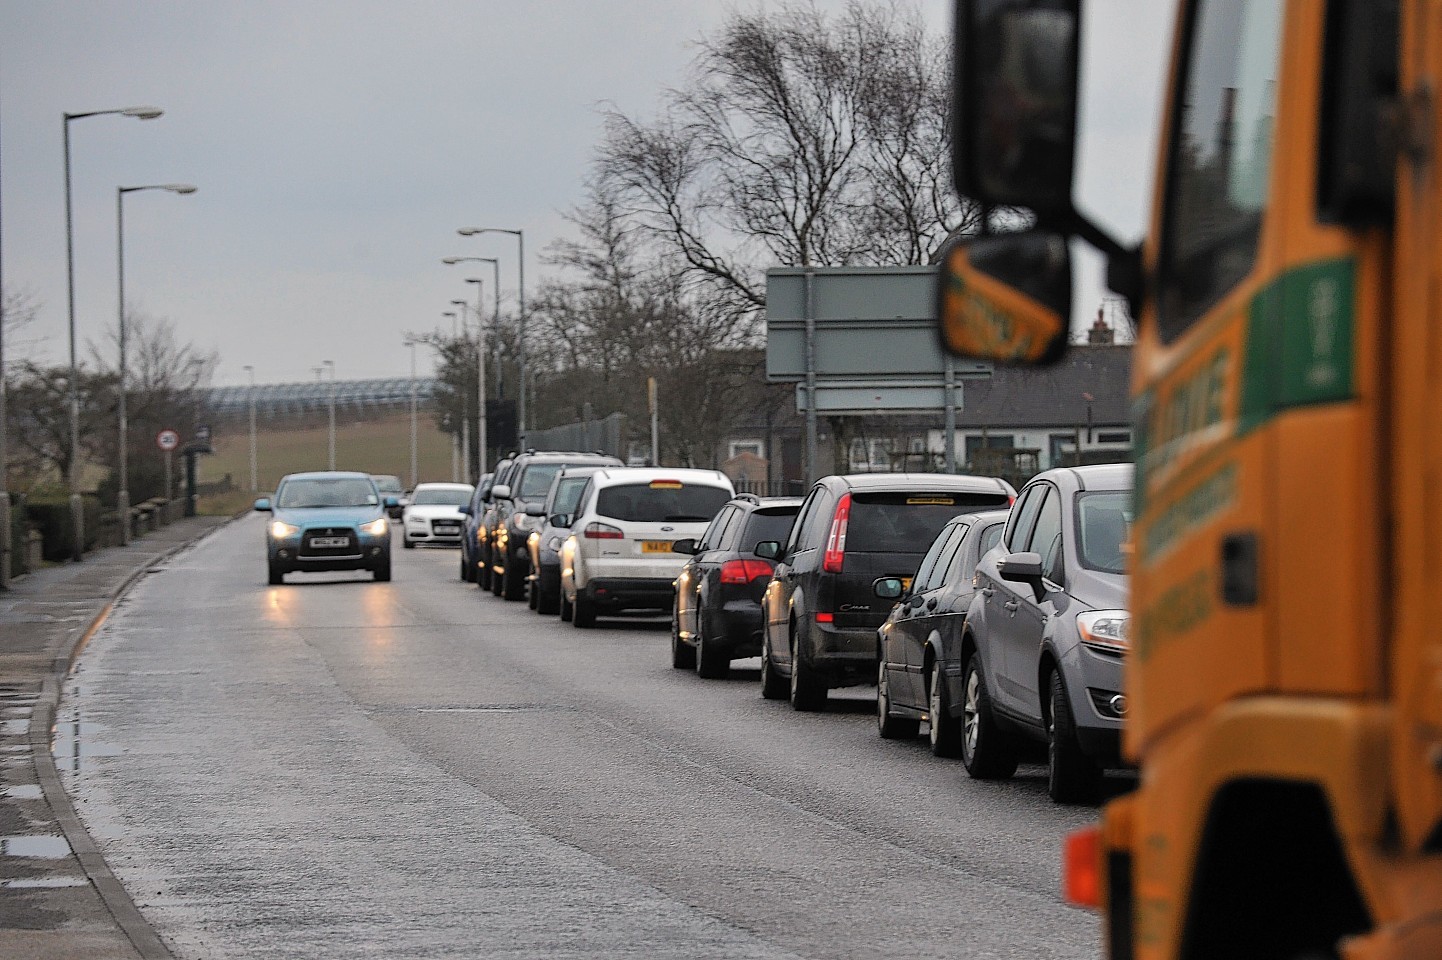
x,y
433,514
618,556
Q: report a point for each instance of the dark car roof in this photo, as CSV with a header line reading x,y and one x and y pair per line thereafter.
x,y
914,481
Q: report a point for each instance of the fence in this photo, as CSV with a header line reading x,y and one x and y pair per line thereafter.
x,y
607,435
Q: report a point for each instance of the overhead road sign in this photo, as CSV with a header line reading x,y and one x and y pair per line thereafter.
x,y
878,397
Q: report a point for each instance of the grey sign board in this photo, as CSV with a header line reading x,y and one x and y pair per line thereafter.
x,y
870,322
861,397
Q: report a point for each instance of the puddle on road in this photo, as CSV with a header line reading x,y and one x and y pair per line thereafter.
x,y
39,846
25,791
45,883
15,728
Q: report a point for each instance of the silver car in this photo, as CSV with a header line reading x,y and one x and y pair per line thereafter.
x,y
1046,632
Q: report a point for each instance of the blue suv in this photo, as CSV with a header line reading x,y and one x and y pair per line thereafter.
x,y
328,520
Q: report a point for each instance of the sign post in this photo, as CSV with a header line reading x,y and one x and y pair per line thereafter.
x,y
167,440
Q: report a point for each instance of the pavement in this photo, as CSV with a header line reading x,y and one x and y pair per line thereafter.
x,y
59,899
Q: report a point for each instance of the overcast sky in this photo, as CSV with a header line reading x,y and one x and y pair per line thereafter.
x,y
337,147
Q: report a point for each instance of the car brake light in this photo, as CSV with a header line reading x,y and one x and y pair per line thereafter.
x,y
602,531
836,540
744,571
826,618
1081,875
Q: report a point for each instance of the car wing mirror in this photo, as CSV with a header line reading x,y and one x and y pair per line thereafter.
x,y
464,510
1023,568
536,510
263,504
887,588
501,491
392,501
768,549
559,520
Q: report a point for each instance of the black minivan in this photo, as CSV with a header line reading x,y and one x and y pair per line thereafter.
x,y
820,612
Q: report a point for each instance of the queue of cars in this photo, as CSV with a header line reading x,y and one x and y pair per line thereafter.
x,y
994,617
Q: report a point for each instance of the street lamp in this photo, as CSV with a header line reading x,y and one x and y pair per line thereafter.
x,y
410,342
520,236
465,340
481,431
330,404
122,496
254,485
77,513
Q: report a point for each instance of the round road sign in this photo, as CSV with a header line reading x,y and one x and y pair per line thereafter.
x,y
167,440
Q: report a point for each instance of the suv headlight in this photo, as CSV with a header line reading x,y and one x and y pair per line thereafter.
x,y
1104,630
280,529
376,528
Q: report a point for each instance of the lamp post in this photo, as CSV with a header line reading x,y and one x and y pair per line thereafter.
x,y
73,478
482,429
330,405
410,342
122,496
461,307
465,435
520,236
254,485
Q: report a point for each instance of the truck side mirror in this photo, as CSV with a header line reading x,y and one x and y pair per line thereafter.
x,y
1006,298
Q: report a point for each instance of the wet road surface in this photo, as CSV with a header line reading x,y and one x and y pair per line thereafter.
x,y
342,768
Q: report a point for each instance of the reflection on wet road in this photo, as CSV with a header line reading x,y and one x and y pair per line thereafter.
x,y
338,767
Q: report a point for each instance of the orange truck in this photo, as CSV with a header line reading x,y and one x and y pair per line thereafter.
x,y
1284,676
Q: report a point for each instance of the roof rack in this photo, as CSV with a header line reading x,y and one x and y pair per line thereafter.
x,y
748,497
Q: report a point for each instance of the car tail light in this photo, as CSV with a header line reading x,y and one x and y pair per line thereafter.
x,y
1082,868
744,571
836,540
602,531
826,618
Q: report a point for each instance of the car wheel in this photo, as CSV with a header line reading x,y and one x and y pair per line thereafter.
x,y
807,693
567,609
277,575
945,735
513,584
891,727
407,542
773,685
383,572
498,582
483,573
468,571
683,655
583,614
533,592
1071,775
986,751
548,593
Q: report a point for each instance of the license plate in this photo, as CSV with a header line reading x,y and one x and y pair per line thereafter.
x,y
323,543
655,546
448,526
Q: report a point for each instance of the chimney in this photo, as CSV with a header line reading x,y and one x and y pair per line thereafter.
x,y
1100,334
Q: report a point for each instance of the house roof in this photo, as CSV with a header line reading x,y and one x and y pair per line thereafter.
x,y
1049,396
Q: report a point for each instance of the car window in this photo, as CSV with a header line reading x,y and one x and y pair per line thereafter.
x,y
660,501
535,481
327,492
1023,515
568,494
1046,538
712,537
980,539
764,524
818,525
388,484
732,531
441,496
902,522
1103,526
798,530
927,567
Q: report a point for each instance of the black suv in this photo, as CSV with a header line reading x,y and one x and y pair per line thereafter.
x,y
820,613
475,535
525,485
716,617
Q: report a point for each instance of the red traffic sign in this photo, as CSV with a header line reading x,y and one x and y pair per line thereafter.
x,y
167,440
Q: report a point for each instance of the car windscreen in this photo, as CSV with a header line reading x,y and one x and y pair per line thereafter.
x,y
536,481
448,496
660,501
1104,521
327,492
388,484
568,494
908,522
767,525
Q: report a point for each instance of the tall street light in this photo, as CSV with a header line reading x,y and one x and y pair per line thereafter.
x,y
458,332
481,342
330,404
73,480
521,423
122,496
254,485
410,342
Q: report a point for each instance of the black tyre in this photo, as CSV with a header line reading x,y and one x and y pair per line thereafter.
x,y
713,660
583,614
1071,775
407,542
276,574
773,685
482,576
808,693
987,752
683,655
383,572
568,610
548,592
513,581
945,735
890,726
533,592
468,570
498,582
